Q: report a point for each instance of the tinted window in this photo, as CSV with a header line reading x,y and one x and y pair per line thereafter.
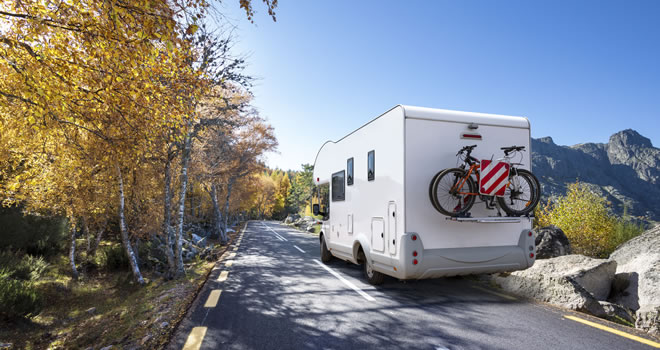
x,y
349,170
338,193
371,165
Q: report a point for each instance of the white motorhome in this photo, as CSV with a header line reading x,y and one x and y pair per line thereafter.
x,y
373,188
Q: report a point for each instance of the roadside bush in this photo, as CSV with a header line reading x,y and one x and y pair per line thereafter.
x,y
114,258
584,217
625,230
33,234
26,267
17,298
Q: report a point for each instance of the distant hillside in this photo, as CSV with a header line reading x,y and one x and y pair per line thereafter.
x,y
625,170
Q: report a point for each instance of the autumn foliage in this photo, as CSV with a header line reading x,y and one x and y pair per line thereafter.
x,y
108,107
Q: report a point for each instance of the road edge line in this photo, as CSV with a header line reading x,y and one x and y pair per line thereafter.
x,y
614,331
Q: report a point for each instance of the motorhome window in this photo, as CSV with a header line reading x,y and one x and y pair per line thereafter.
x,y
349,170
371,165
338,193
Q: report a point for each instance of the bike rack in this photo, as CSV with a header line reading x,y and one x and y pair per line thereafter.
x,y
491,219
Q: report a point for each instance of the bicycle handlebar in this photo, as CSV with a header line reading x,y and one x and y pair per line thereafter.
x,y
514,148
466,148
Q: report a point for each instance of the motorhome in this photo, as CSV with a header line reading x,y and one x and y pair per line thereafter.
x,y
373,194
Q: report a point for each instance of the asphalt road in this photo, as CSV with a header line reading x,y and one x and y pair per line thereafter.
x,y
276,294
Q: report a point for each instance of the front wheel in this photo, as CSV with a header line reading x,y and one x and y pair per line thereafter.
x,y
522,194
452,192
326,256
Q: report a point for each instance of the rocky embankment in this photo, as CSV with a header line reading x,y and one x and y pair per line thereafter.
x,y
624,288
304,223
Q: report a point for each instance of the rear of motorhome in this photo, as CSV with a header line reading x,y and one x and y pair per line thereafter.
x,y
373,191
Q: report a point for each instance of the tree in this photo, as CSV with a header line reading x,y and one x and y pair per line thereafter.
x,y
584,217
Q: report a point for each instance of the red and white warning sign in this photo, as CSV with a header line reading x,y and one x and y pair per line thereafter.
x,y
494,177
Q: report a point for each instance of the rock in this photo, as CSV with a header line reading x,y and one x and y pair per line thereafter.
x,y
91,310
310,228
551,242
109,347
165,324
6,345
614,311
571,281
638,264
146,339
197,240
648,319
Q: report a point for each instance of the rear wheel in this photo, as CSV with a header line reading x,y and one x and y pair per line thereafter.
x,y
522,194
373,277
449,192
326,256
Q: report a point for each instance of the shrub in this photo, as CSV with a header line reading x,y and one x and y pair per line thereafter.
x,y
34,234
114,258
584,217
17,298
26,267
625,230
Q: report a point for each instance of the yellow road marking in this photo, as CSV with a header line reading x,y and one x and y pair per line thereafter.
x,y
223,276
494,293
212,301
232,255
194,341
229,263
615,331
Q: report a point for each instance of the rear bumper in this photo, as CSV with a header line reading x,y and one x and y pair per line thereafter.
x,y
433,263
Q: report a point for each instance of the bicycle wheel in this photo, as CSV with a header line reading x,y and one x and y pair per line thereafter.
x,y
522,194
447,197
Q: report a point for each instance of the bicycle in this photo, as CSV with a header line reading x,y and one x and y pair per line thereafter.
x,y
449,196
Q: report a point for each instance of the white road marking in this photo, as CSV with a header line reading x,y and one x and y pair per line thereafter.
x,y
346,282
276,234
295,246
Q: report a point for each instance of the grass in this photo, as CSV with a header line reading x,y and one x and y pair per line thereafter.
x,y
125,313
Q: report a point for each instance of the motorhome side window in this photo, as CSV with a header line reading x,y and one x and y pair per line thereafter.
x,y
349,170
371,165
338,190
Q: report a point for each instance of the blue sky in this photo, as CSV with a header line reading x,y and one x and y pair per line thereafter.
x,y
579,70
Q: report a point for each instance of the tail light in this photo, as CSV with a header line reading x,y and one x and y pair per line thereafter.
x,y
414,253
415,261
531,255
414,237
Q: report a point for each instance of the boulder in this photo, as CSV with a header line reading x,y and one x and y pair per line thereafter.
x,y
551,242
637,284
197,240
617,312
310,228
571,281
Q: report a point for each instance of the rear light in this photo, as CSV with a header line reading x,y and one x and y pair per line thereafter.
x,y
415,261
414,253
414,237
529,233
472,136
531,255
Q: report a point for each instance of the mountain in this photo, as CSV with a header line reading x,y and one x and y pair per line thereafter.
x,y
625,170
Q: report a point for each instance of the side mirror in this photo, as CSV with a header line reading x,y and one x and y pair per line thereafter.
x,y
316,209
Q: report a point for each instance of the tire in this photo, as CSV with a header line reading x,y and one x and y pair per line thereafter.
x,y
373,277
443,200
522,194
326,256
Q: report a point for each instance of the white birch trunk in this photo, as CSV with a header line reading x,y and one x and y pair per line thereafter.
x,y
124,233
167,213
226,213
217,214
72,252
185,157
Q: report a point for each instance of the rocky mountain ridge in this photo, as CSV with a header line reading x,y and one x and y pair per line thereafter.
x,y
626,170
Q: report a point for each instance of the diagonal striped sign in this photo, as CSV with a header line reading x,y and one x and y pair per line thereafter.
x,y
494,177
